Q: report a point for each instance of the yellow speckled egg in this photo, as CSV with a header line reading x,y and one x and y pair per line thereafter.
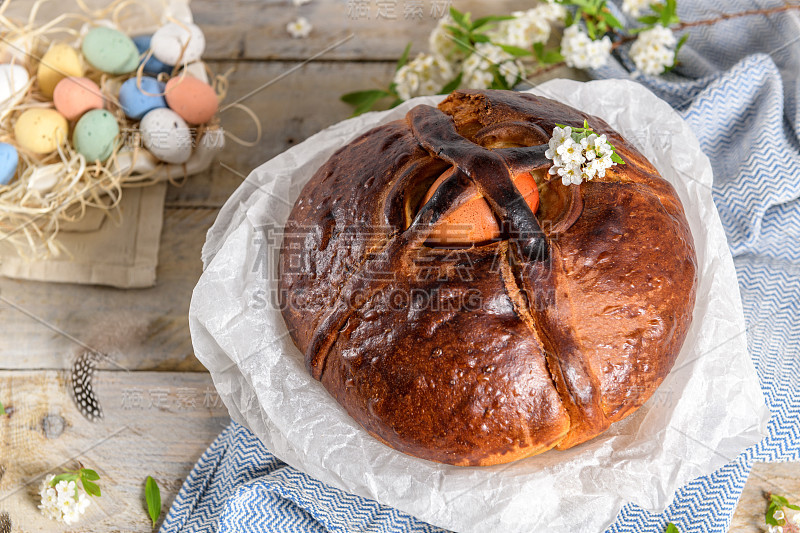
x,y
60,61
40,130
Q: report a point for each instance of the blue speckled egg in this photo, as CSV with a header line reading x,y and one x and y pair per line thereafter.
x,y
9,159
137,103
153,65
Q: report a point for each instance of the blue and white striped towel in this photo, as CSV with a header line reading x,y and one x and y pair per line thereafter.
x,y
738,87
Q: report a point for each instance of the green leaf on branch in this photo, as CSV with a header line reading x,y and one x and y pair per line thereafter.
x,y
152,495
480,38
546,57
516,51
453,85
666,14
672,528
591,28
611,20
462,19
403,58
2,409
649,19
681,42
483,21
364,100
88,473
91,488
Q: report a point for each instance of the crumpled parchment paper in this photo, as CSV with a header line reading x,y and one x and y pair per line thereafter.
x,y
708,410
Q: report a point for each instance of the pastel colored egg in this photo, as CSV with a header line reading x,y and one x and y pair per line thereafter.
x,y
153,65
9,159
43,179
60,61
166,135
110,51
192,99
169,40
96,135
13,79
40,130
473,221
137,99
75,96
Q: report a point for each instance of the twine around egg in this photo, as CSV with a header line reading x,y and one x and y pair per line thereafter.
x,y
30,221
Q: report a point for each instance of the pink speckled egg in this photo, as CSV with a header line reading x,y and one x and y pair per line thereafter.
x,y
75,96
193,99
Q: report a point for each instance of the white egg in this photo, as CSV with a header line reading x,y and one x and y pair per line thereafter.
x,y
166,135
43,179
13,80
168,42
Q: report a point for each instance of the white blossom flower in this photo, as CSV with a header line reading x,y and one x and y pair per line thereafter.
x,y
653,50
570,175
578,156
635,7
775,529
441,43
300,28
795,518
65,502
424,75
528,27
580,51
778,515
478,67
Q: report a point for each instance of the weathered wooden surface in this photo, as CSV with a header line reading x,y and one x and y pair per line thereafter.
x,y
146,330
155,423
256,29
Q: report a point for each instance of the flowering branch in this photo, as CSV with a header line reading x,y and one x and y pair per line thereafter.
x,y
63,500
776,517
497,52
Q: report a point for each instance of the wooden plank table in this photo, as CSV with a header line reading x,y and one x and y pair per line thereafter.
x,y
176,413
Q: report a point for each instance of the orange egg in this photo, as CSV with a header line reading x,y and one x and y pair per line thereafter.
x,y
193,99
473,221
75,96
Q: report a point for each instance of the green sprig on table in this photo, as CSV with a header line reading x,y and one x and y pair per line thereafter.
x,y
86,477
672,528
777,503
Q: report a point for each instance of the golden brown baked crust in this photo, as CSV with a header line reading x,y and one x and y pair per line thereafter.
x,y
505,349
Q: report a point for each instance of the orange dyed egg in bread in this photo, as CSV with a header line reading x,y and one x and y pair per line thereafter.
x,y
473,221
